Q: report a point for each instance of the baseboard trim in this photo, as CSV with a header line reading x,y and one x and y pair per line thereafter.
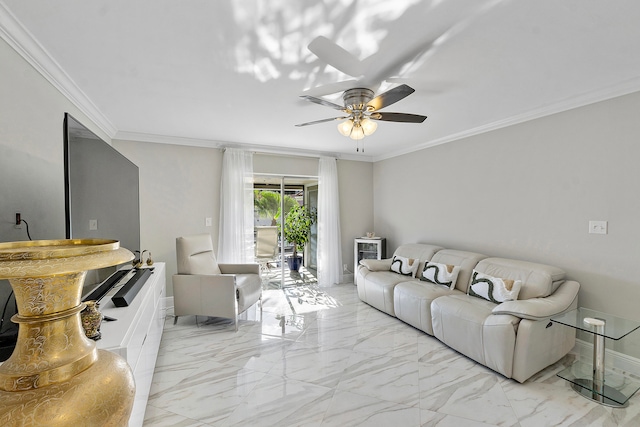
x,y
168,303
614,359
347,278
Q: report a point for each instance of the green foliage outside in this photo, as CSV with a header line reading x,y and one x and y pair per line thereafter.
x,y
297,226
267,204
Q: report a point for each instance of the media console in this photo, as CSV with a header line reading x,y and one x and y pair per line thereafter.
x,y
136,334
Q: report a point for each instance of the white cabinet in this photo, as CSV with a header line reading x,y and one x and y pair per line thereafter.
x,y
136,334
364,248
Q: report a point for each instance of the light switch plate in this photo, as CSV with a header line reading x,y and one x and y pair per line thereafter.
x,y
93,224
597,227
207,222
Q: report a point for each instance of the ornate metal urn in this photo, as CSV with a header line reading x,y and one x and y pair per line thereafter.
x,y
56,376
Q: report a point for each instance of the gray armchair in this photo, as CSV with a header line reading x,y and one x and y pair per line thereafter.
x,y
204,287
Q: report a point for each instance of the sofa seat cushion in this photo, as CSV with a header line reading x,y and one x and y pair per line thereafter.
x,y
467,325
249,289
412,302
377,289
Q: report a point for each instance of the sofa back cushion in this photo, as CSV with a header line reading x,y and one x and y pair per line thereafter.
x,y
538,280
466,260
420,251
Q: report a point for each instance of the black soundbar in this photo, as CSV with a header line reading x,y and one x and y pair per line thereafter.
x,y
98,293
129,290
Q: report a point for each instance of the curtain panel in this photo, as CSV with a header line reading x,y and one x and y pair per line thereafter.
x,y
235,242
329,240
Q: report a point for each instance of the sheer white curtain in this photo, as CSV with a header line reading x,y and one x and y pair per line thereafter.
x,y
329,242
235,243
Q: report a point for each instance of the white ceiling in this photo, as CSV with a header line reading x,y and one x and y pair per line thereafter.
x,y
230,72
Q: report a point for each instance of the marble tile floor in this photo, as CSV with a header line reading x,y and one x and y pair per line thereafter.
x,y
346,364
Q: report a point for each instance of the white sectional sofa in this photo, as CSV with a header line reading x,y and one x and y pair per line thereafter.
x,y
473,313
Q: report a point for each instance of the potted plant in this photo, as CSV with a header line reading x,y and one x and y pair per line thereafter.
x,y
297,230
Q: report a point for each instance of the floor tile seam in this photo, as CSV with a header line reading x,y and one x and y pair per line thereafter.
x,y
462,417
468,380
390,356
182,353
324,414
230,376
247,398
195,420
504,392
325,348
337,375
191,370
369,396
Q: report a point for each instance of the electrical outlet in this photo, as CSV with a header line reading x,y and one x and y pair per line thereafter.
x,y
207,222
344,268
18,224
598,227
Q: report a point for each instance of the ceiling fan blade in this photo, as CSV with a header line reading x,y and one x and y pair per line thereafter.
x,y
390,97
336,56
323,102
321,121
398,117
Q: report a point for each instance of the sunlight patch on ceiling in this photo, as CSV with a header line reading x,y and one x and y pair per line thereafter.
x,y
275,35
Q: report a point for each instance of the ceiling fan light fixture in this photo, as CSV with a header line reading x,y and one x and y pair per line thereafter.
x,y
345,127
368,126
357,133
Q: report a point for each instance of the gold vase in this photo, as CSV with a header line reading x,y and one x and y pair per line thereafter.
x,y
55,375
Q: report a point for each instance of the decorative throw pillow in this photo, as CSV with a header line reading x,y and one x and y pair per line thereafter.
x,y
494,289
404,266
440,274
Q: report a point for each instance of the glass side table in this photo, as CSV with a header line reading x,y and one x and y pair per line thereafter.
x,y
592,380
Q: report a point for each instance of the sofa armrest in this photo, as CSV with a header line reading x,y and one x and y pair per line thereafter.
x,y
239,268
377,264
564,298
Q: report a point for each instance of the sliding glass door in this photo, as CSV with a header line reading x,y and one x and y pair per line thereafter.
x,y
274,197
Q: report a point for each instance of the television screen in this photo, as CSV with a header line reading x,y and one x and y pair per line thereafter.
x,y
101,191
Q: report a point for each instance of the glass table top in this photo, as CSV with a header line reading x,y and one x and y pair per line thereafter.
x,y
615,327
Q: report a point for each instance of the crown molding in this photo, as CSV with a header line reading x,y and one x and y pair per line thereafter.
x,y
266,149
620,89
23,42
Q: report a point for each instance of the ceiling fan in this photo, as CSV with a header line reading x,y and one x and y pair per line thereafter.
x,y
361,108
396,51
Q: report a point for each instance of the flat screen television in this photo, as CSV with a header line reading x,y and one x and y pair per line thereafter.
x,y
101,193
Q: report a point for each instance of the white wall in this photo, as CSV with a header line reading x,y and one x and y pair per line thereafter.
x,y
31,150
356,204
179,188
528,192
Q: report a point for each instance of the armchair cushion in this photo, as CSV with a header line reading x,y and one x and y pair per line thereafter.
x,y
239,268
195,255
